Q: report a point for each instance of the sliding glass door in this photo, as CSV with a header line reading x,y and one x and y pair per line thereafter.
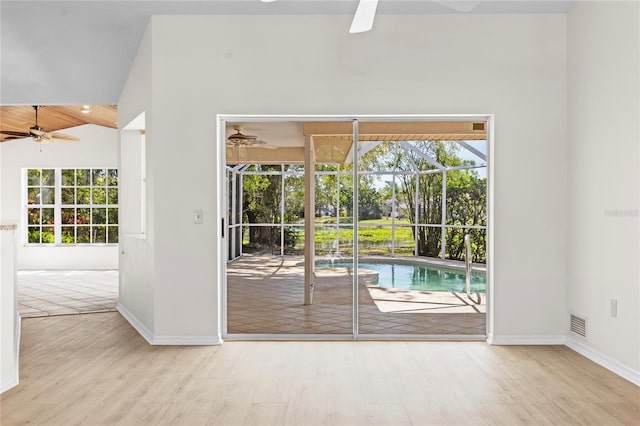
x,y
289,236
341,239
421,195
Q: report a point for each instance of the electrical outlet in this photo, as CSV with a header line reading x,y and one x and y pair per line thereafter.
x,y
197,217
613,305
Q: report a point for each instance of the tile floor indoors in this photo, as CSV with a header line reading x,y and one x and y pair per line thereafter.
x,y
46,293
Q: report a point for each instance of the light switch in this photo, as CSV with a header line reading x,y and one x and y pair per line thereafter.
x,y
197,217
613,305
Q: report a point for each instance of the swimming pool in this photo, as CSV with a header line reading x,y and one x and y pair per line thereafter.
x,y
420,277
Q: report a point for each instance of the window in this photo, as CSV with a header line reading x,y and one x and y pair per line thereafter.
x,y
41,194
72,206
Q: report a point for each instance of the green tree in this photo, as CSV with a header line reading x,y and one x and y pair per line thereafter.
x,y
294,194
369,202
466,199
261,204
262,198
466,206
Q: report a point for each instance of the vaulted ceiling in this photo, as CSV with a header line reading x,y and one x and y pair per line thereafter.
x,y
80,52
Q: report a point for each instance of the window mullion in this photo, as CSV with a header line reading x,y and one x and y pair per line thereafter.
x,y
57,215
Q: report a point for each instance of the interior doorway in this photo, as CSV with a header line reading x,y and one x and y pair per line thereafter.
x,y
383,238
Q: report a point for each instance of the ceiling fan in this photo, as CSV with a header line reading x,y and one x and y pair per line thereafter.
x,y
366,12
38,133
238,139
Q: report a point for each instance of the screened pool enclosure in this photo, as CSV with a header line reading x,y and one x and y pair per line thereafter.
x,y
303,193
421,198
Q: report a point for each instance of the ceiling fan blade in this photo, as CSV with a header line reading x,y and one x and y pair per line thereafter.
x,y
40,133
64,137
363,19
9,138
459,5
56,140
261,146
240,138
12,133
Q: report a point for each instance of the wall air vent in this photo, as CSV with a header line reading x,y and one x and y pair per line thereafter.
x,y
578,325
478,126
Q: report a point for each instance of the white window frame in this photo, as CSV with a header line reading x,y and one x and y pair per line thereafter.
x,y
58,206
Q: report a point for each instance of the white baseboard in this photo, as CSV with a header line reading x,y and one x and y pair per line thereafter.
x,y
187,340
135,323
17,346
9,383
599,358
610,364
14,380
551,339
166,340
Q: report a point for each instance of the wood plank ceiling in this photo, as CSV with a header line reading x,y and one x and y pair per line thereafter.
x,y
55,117
332,141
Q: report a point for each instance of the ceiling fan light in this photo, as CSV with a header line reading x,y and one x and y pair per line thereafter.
x,y
86,109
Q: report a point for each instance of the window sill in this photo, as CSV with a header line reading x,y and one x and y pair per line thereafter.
x,y
83,245
141,236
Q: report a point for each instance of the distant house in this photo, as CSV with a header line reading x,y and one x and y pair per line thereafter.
x,y
400,208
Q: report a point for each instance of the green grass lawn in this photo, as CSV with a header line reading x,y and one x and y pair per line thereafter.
x,y
370,233
349,219
374,236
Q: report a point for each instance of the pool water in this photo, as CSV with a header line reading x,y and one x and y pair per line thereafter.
x,y
420,277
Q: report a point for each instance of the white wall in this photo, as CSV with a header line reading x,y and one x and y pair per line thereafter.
x,y
9,318
512,66
137,272
603,198
98,147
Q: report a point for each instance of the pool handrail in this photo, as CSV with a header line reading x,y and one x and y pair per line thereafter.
x,y
467,262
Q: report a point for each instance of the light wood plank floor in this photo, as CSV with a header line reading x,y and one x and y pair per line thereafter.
x,y
95,369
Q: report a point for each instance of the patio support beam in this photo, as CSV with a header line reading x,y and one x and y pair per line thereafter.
x,y
470,148
407,130
356,241
423,155
393,200
282,195
231,219
443,221
309,219
337,243
240,203
416,203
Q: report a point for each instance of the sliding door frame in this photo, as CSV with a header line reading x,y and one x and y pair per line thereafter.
x,y
223,247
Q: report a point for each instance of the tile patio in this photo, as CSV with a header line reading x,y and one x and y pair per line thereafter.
x,y
265,296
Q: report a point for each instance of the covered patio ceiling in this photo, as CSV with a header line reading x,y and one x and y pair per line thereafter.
x,y
332,141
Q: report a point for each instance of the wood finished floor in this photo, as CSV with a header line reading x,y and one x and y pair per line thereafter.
x,y
95,369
